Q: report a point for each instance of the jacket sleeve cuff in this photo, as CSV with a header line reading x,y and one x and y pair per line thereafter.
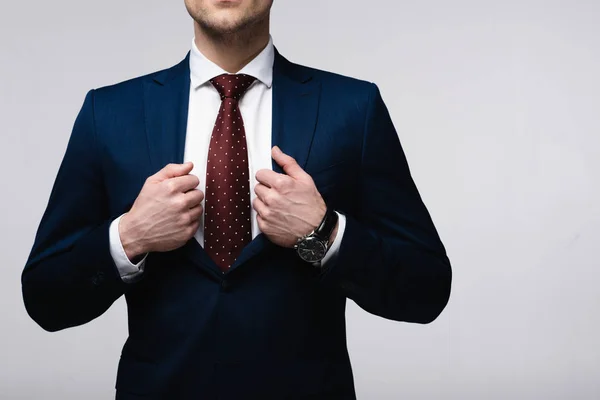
x,y
335,246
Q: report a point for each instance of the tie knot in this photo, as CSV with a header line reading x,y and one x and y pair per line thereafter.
x,y
232,86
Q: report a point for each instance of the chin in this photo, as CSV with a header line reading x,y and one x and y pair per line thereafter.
x,y
224,17
225,23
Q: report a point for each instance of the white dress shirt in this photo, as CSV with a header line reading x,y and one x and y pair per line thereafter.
x,y
204,102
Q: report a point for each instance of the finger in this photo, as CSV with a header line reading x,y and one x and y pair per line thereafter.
x,y
262,192
262,224
267,177
261,208
182,184
288,163
173,170
193,198
196,212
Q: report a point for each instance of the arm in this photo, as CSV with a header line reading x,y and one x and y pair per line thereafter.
x,y
391,261
70,277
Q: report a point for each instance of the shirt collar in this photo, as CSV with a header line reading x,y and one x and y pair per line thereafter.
x,y
261,67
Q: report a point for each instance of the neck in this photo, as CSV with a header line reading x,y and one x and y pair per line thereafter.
x,y
232,51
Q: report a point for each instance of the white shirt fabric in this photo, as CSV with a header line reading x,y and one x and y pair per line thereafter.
x,y
204,102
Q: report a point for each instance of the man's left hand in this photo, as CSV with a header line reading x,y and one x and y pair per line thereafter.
x,y
288,205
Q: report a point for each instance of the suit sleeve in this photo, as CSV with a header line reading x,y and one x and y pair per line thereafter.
x,y
391,261
70,277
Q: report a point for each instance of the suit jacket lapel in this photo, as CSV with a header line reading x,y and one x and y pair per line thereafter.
x,y
166,100
295,107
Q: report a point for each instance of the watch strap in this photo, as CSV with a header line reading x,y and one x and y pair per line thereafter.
x,y
327,225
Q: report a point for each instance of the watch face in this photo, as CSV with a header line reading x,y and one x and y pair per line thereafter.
x,y
312,249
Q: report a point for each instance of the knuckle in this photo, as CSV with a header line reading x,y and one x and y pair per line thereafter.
x,y
179,202
184,219
191,230
270,198
170,185
284,183
266,213
279,182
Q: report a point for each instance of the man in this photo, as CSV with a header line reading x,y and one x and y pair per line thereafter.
x,y
235,264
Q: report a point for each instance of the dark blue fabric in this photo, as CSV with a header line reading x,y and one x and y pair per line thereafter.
x,y
273,327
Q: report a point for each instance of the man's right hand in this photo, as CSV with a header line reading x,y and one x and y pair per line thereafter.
x,y
166,213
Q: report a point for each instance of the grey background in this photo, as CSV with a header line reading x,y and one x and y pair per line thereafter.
x,y
496,104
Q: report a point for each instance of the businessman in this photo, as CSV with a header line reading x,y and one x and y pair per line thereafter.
x,y
236,200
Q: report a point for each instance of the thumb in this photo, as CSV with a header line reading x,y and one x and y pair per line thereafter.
x,y
288,163
174,170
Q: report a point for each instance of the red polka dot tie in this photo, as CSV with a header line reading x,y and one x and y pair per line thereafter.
x,y
227,199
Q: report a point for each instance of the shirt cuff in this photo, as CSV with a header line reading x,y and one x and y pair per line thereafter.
x,y
127,270
335,246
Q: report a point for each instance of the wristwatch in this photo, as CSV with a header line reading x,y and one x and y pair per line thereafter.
x,y
313,247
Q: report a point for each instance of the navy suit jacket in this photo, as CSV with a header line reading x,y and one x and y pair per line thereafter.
x,y
273,327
